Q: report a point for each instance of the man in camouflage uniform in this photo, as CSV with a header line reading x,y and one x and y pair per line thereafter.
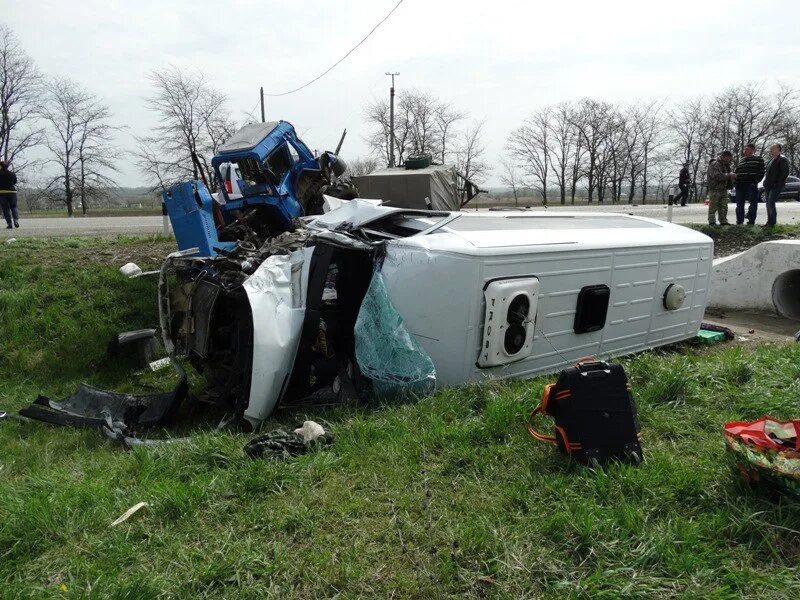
x,y
720,180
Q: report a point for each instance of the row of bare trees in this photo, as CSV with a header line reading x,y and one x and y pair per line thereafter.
x,y
61,116
58,136
589,148
604,151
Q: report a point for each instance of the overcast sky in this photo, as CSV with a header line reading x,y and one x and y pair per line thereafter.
x,y
498,60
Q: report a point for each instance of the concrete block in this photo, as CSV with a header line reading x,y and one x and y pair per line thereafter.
x,y
765,278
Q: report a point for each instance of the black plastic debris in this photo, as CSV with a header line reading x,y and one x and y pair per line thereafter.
x,y
281,444
93,407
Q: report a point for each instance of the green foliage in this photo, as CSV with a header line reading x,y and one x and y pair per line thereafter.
x,y
444,497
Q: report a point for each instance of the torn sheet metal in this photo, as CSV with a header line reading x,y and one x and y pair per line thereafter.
x,y
276,292
355,213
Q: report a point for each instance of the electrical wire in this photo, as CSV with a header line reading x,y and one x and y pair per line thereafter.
x,y
334,65
547,339
255,108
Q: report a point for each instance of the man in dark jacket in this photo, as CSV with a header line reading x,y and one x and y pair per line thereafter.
x,y
749,172
774,182
8,195
684,179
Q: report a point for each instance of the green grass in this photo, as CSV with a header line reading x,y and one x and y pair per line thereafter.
x,y
445,497
737,238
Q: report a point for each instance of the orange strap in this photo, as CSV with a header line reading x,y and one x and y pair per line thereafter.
x,y
539,409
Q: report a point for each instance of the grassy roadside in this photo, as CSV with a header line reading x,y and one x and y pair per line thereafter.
x,y
446,497
737,238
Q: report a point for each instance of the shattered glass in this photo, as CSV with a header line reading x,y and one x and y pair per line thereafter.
x,y
386,351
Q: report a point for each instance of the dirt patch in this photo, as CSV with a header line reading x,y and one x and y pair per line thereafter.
x,y
754,327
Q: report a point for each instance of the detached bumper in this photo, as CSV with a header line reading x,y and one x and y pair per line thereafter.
x,y
95,408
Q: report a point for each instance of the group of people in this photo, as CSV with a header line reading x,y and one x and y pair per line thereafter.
x,y
8,195
744,179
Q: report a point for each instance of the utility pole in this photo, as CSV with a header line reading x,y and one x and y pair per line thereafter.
x,y
263,120
391,120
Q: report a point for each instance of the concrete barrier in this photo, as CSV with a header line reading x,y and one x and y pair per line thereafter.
x,y
764,278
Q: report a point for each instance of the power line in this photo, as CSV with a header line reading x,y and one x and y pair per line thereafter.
x,y
250,114
334,65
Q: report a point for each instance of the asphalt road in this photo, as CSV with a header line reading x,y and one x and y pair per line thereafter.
x,y
788,212
83,226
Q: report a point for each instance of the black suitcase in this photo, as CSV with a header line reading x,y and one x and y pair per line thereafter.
x,y
594,412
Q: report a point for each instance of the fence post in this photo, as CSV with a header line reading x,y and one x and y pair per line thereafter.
x,y
669,208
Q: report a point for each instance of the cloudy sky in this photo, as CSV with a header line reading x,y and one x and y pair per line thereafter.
x,y
497,60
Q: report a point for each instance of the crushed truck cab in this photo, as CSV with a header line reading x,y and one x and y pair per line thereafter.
x,y
280,180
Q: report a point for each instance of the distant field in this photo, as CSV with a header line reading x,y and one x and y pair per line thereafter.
x,y
97,212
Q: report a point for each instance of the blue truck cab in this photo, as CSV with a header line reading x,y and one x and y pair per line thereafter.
x,y
280,178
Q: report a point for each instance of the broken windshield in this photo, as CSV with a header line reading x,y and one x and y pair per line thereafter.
x,y
404,224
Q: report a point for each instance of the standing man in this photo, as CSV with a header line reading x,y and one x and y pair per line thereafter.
x,y
720,180
774,181
684,179
749,173
8,194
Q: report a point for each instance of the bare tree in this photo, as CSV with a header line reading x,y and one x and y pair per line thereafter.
x,y
469,157
361,166
379,139
528,145
789,132
633,148
446,117
78,138
422,108
563,148
510,177
96,154
687,125
651,129
192,120
590,119
20,101
746,114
